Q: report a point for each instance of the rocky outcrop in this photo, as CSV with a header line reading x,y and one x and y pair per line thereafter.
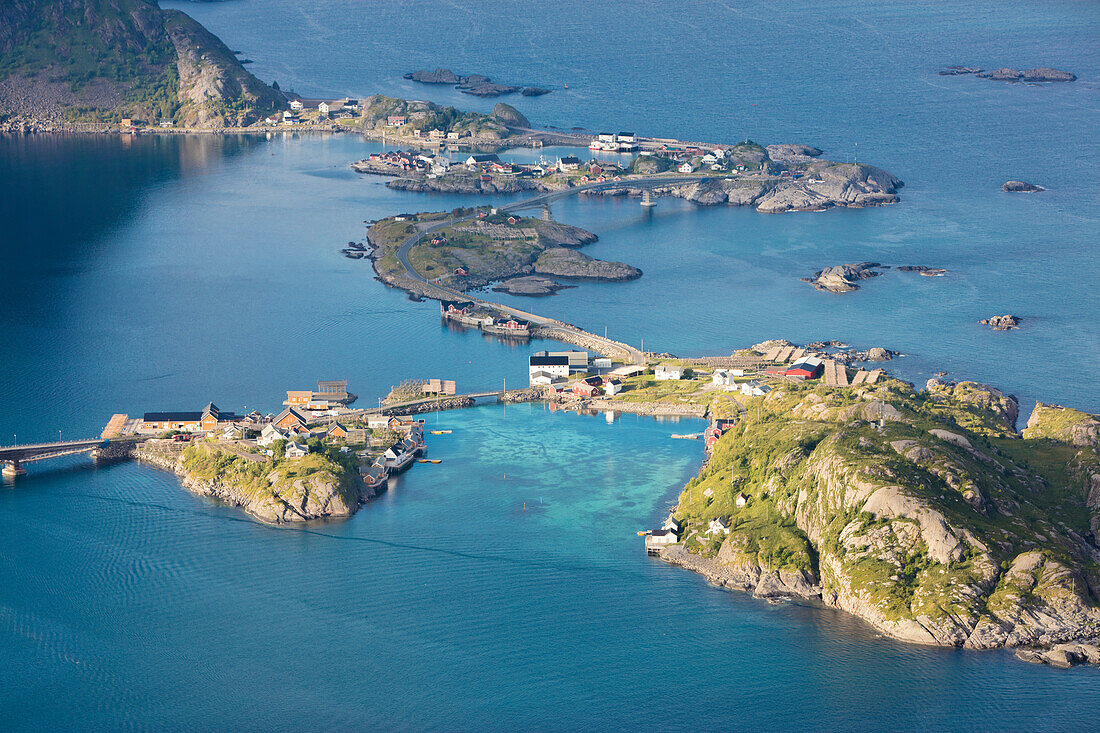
x,y
563,262
1020,187
1001,323
214,89
473,84
792,154
510,116
920,523
1063,424
556,234
270,492
843,278
1041,74
530,285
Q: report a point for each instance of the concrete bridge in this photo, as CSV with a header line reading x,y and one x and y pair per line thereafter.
x,y
12,457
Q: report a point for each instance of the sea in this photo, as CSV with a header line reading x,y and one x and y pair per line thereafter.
x,y
505,587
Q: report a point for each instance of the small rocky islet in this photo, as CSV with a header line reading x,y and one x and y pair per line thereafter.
x,y
845,278
1034,76
475,85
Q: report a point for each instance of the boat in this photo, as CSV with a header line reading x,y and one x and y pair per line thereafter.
x,y
688,436
429,460
441,432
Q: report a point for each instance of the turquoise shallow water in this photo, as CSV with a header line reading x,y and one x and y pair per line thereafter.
x,y
163,273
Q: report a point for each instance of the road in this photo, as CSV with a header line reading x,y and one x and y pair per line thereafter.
x,y
551,324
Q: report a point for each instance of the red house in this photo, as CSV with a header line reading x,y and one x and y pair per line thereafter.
x,y
586,390
711,436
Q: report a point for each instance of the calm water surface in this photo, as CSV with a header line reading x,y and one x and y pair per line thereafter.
x,y
505,587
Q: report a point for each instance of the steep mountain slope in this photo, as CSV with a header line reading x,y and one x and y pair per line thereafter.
x,y
101,60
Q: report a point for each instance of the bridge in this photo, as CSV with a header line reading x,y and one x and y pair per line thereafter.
x,y
12,457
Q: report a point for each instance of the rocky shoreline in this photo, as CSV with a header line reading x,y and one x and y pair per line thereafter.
x,y
824,185
300,501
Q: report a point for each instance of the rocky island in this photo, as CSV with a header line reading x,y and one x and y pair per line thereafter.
x,y
1035,76
1020,187
844,278
923,512
1002,323
473,84
480,250
273,490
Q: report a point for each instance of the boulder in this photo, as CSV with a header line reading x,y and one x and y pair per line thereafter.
x,y
843,278
439,76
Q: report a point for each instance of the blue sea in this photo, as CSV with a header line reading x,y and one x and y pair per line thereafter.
x,y
505,587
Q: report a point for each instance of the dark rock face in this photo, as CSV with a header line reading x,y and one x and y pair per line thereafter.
x,y
1001,323
1020,187
534,91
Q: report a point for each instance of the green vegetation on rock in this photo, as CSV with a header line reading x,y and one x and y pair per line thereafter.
x,y
923,512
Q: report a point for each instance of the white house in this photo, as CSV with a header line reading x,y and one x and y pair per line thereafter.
x,y
667,371
685,167
755,389
612,387
627,137
269,435
660,538
740,500
672,523
544,379
296,105
569,163
607,137
710,158
723,378
323,109
296,450
718,526
601,362
555,366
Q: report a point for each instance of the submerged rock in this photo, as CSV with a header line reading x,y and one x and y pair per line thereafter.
x,y
1041,74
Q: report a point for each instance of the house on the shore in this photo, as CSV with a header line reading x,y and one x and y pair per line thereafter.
x,y
556,366
481,159
660,538
569,163
323,110
672,523
612,386
204,421
588,387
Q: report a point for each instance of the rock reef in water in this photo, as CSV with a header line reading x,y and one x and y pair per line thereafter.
x,y
1001,323
473,84
1038,75
843,278
1020,187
